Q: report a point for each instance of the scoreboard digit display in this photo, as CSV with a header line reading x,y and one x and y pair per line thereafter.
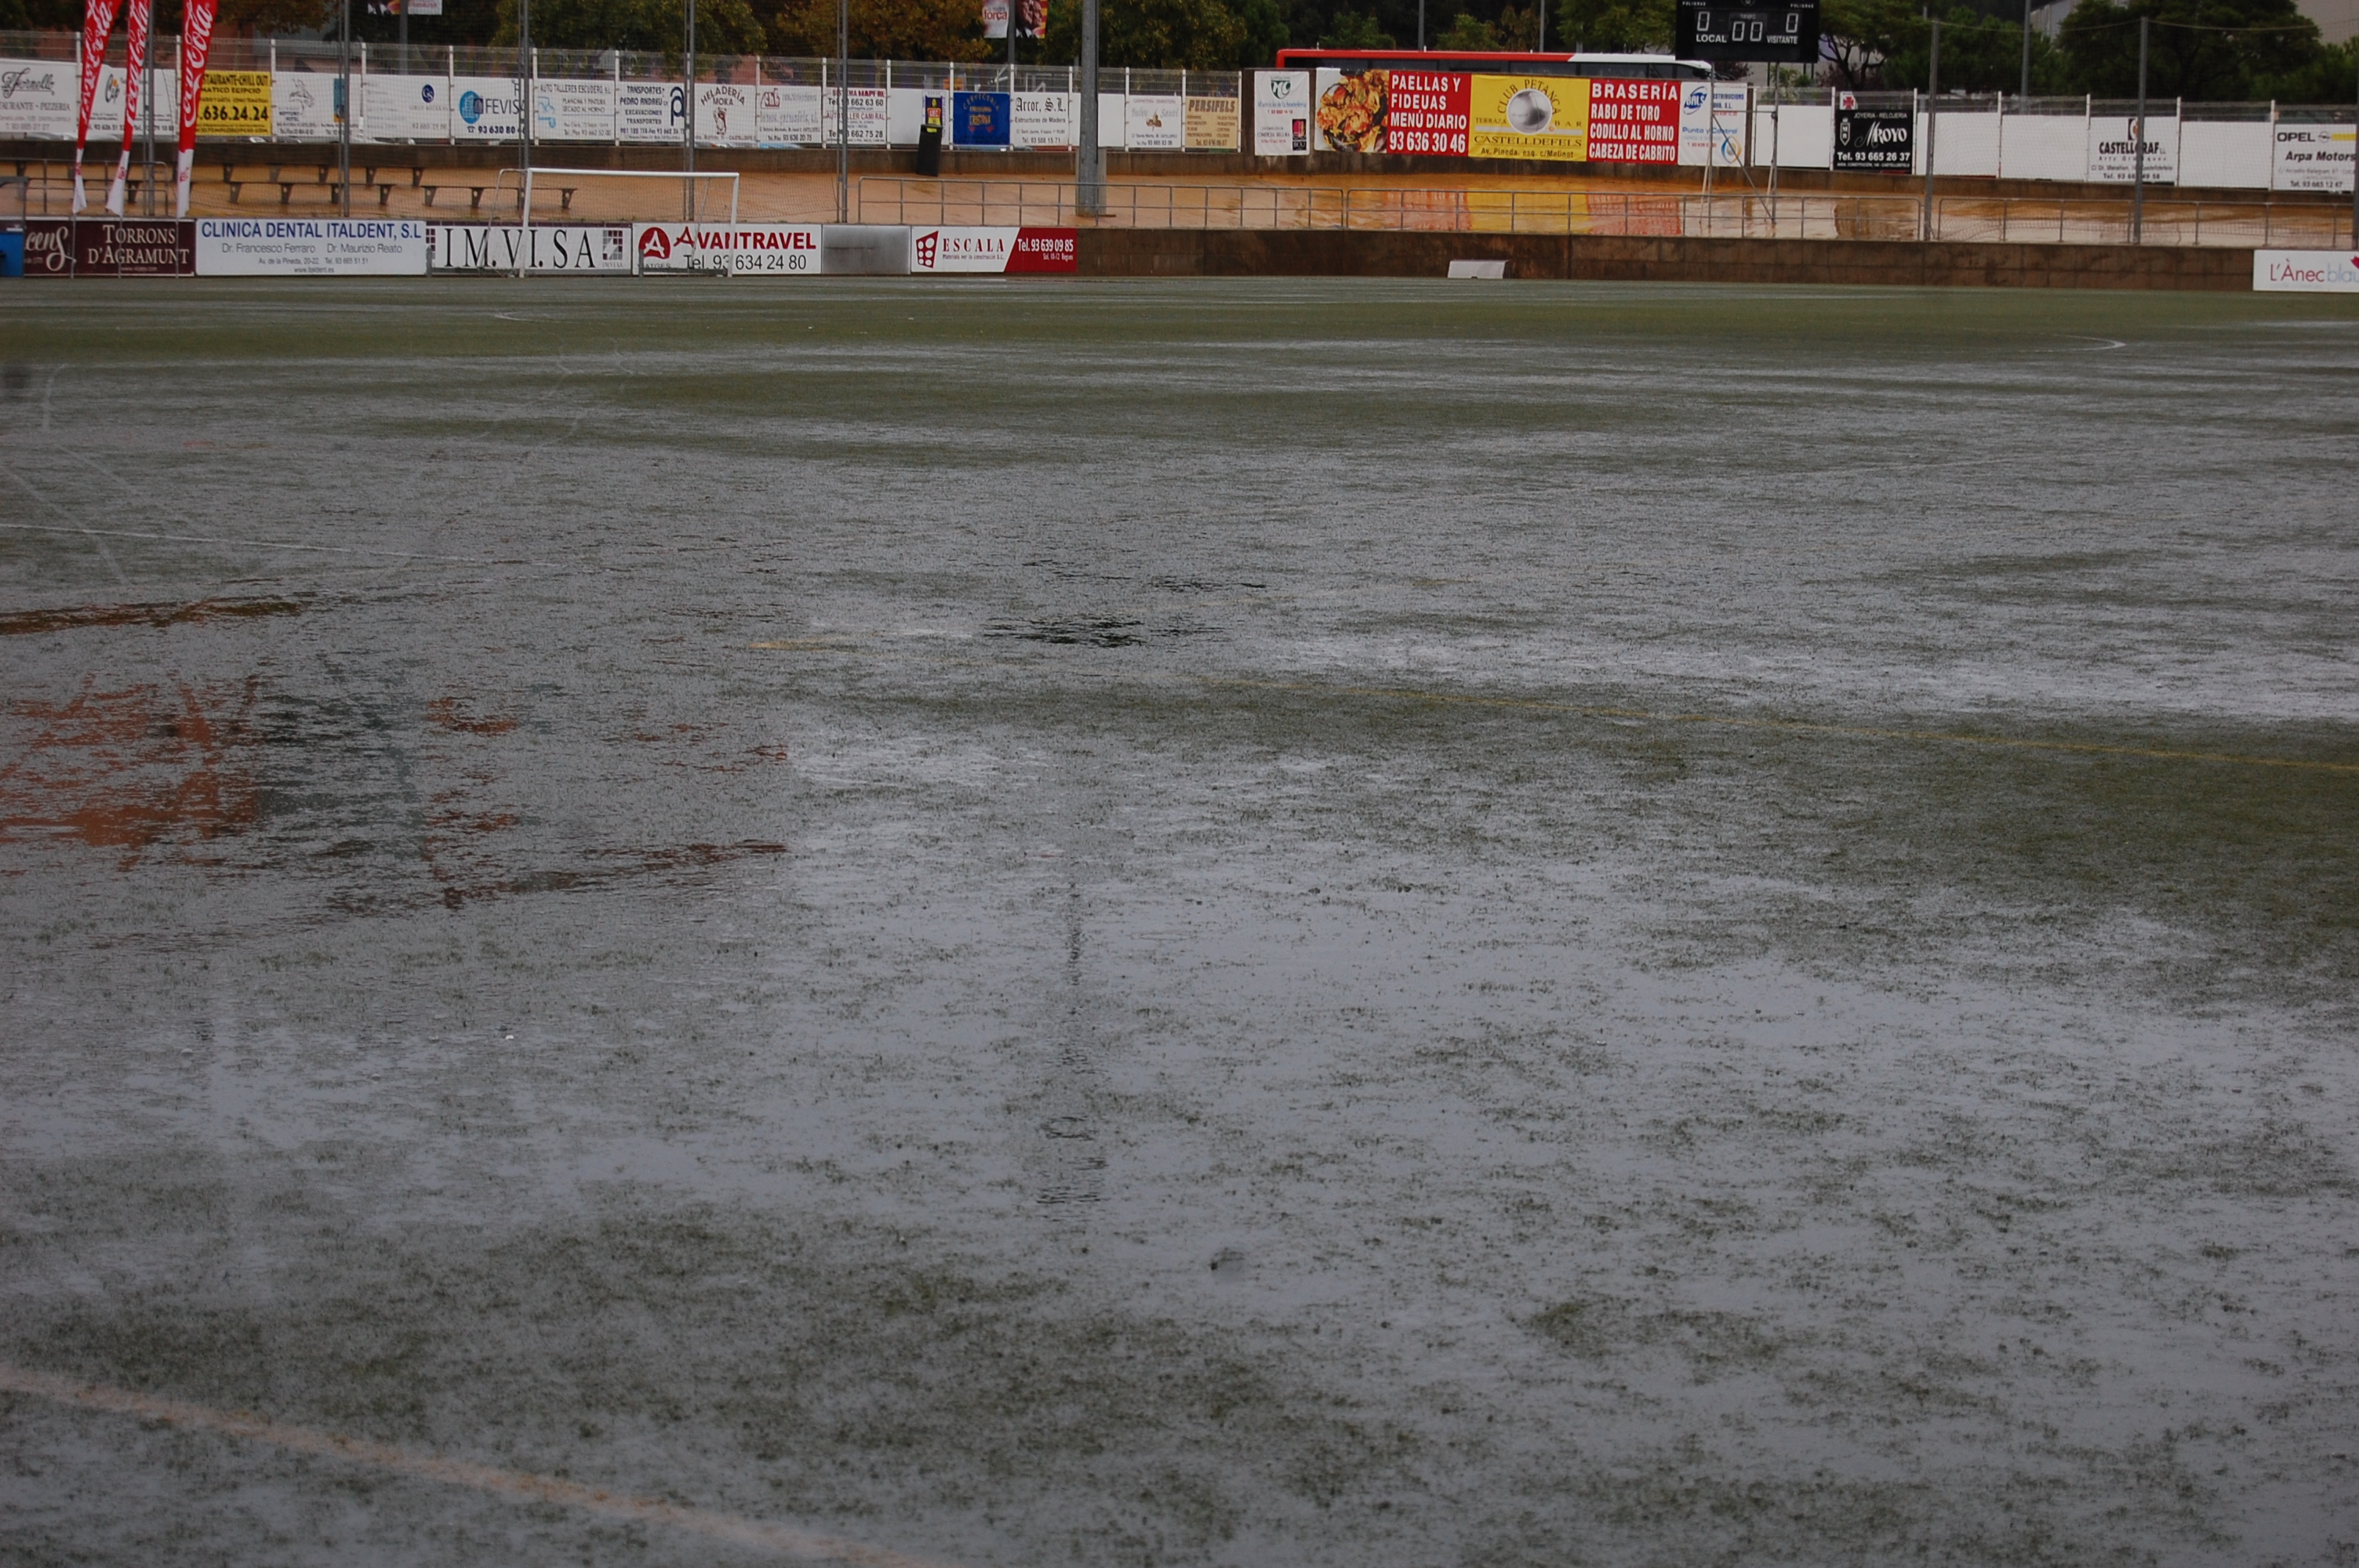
x,y
1788,33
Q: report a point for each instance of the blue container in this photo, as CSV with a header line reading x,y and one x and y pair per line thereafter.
x,y
12,253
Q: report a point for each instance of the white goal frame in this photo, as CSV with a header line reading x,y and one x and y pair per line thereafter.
x,y
524,211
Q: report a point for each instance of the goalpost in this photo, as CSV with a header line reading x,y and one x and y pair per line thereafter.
x,y
693,183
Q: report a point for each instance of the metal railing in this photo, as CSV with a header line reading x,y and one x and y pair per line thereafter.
x,y
884,199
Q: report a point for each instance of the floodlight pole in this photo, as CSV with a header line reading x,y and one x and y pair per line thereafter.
x,y
2025,93
1933,111
524,135
2137,177
345,120
687,119
843,111
1089,193
1421,26
404,6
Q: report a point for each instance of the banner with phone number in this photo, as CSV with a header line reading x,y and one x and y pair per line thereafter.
x,y
1439,113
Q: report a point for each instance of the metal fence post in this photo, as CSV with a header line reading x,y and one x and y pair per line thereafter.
x,y
1932,112
2137,175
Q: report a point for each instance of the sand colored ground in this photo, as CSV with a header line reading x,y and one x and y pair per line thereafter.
x,y
1741,204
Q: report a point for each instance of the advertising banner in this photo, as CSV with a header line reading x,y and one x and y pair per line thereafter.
x,y
111,247
1713,135
2273,271
870,109
726,115
1281,113
2113,149
979,119
788,116
649,111
994,250
1882,139
767,250
405,109
1047,119
107,110
1527,116
1212,126
303,106
567,110
1155,123
1634,121
310,247
37,100
1351,112
484,109
1426,111
48,247
491,248
234,103
2311,157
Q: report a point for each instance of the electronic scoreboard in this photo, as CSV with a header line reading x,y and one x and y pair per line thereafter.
x,y
1749,32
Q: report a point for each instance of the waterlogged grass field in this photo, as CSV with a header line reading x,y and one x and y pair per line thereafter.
x,y
1217,923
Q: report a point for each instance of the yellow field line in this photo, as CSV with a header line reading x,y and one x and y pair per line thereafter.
x,y
1793,726
516,1485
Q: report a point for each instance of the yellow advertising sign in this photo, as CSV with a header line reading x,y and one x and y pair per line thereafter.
x,y
236,103
1213,125
1529,116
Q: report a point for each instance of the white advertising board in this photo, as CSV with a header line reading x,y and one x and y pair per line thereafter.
x,y
2229,153
788,116
405,109
484,109
649,111
2113,149
905,114
765,250
1155,124
1046,119
310,247
960,250
106,113
493,248
2311,157
2306,272
303,106
727,114
1727,117
1281,113
871,111
566,109
37,100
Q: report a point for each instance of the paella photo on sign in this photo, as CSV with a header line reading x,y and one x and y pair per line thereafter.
x,y
1352,113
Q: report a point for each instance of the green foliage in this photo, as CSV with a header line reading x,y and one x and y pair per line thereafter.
x,y
881,29
1466,32
2233,49
1519,29
1171,34
1614,25
1350,30
1980,53
723,27
2330,76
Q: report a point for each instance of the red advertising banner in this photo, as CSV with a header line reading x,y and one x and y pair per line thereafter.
x,y
110,247
97,22
1634,121
1427,111
1045,250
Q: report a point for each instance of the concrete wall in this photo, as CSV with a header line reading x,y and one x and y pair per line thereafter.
x,y
1231,253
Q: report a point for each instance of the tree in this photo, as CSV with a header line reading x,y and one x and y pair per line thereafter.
x,y
881,29
658,26
1980,53
1614,25
2216,49
1348,29
1466,32
1163,35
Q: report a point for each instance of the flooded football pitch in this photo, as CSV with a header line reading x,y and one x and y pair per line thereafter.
x,y
1327,922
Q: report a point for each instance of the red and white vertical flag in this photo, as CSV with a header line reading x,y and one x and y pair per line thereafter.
x,y
136,59
196,43
97,23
